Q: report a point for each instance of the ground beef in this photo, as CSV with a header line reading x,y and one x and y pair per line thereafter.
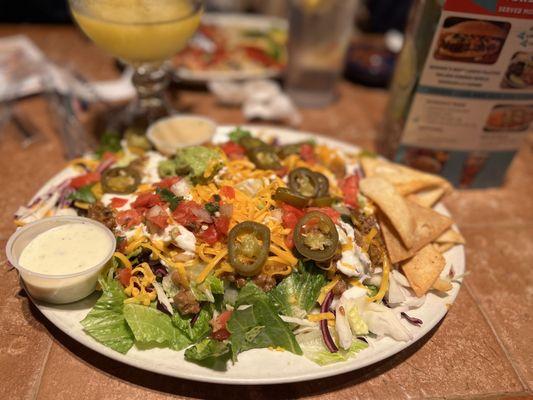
x,y
237,280
265,282
339,288
367,223
186,303
103,214
375,255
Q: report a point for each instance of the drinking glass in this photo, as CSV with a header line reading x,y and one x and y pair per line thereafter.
x,y
319,33
143,34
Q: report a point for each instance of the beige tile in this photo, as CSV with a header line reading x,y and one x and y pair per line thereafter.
x,y
502,283
511,204
24,342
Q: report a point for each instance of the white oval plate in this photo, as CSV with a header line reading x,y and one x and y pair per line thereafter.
x,y
261,22
259,366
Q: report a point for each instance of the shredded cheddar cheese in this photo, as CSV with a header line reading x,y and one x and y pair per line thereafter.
x,y
320,316
325,290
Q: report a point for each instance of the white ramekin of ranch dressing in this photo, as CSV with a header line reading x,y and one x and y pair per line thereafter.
x,y
59,258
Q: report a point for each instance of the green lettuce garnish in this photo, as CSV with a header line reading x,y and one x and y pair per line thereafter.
x,y
258,326
84,194
109,142
105,322
296,295
239,133
152,327
313,348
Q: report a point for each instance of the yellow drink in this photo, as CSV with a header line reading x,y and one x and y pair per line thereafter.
x,y
138,31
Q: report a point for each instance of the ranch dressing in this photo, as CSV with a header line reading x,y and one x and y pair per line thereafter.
x,y
66,249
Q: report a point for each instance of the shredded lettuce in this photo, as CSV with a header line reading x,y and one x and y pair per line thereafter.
x,y
152,327
209,287
296,295
258,325
358,326
314,349
105,322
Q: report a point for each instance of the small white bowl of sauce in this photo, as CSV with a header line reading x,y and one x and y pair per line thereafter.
x,y
171,133
59,258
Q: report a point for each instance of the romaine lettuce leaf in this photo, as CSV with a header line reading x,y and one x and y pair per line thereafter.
x,y
105,322
258,326
153,327
314,349
207,348
199,330
296,295
209,353
208,288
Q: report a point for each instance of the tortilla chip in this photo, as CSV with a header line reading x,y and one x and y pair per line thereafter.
x,y
423,270
429,224
443,247
451,236
406,180
392,205
442,285
427,197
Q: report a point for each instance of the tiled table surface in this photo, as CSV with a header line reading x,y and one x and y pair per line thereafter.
x,y
483,348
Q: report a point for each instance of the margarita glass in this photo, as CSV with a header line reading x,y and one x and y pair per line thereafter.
x,y
143,34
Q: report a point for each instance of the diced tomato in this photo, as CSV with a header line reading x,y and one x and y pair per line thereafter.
x,y
290,215
289,240
233,150
167,182
222,225
350,187
129,218
147,200
157,216
84,180
117,202
228,192
124,275
259,55
219,324
307,152
184,213
210,235
282,172
109,156
330,212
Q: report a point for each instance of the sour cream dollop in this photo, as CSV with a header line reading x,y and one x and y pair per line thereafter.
x,y
66,249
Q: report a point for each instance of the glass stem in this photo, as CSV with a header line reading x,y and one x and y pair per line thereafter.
x,y
150,81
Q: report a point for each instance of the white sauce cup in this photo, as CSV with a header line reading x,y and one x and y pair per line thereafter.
x,y
56,289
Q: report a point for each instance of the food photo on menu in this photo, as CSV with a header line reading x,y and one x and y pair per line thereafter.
x,y
218,199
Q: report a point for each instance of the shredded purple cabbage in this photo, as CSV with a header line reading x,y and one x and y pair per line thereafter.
x,y
413,320
194,318
326,335
161,307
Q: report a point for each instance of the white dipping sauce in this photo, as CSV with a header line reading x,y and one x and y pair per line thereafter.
x,y
66,249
